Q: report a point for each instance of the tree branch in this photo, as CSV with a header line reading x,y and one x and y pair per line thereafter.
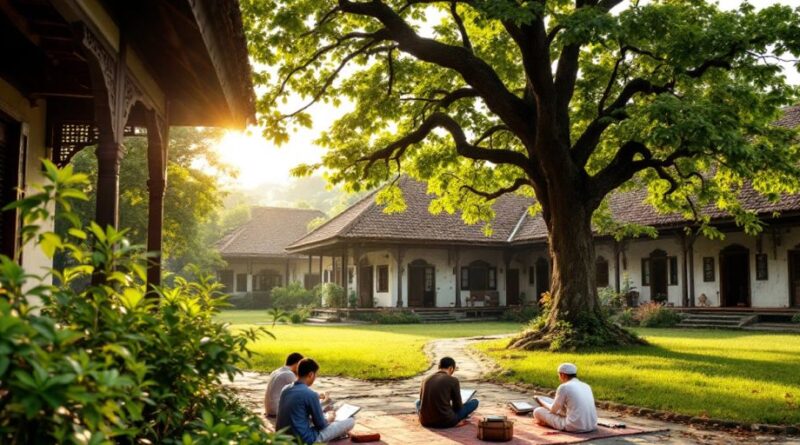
x,y
518,183
461,28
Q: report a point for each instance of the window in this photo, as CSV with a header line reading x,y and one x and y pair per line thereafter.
x,y
226,278
429,279
266,280
762,271
673,271
241,282
708,269
645,271
479,276
601,272
531,275
383,278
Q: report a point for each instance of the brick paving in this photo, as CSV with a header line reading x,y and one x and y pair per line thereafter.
x,y
387,406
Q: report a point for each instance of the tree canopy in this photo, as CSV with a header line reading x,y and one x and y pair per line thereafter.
x,y
563,100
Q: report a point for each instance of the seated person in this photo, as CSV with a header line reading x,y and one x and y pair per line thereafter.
x,y
300,410
573,409
278,379
439,404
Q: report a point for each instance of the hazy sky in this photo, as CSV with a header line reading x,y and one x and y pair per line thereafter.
x,y
259,161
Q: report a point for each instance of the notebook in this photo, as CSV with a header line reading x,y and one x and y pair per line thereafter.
x,y
346,411
467,395
521,407
546,402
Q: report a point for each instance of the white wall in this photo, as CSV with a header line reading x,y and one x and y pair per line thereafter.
x,y
32,116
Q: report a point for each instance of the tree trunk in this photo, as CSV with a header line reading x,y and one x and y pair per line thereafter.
x,y
574,316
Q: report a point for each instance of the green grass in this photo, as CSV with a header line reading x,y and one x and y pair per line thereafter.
x,y
752,377
363,351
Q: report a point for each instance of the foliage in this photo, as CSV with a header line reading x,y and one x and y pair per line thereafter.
x,y
611,301
564,101
332,295
522,314
300,314
796,318
292,296
720,374
393,351
277,315
656,315
192,199
109,362
627,317
352,300
250,300
388,317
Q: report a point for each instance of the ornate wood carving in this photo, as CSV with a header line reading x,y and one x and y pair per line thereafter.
x,y
70,137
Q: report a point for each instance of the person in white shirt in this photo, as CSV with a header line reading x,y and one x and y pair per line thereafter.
x,y
573,409
278,379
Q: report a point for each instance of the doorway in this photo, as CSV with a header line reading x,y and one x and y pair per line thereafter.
x,y
734,269
512,287
658,276
366,280
11,171
794,278
421,284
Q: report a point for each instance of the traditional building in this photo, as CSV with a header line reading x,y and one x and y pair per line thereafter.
x,y
256,254
416,259
79,73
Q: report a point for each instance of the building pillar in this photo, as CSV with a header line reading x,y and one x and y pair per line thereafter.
x,y
691,274
457,277
617,266
344,275
320,268
308,284
286,276
157,143
399,256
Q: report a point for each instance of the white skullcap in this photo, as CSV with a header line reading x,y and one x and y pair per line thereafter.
x,y
567,368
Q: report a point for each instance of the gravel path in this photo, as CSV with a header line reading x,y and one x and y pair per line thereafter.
x,y
398,396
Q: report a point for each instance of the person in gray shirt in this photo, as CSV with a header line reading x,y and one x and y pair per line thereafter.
x,y
278,379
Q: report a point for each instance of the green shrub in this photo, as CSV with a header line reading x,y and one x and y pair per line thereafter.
x,y
388,317
300,315
332,295
292,296
110,363
796,318
353,300
656,315
626,318
523,314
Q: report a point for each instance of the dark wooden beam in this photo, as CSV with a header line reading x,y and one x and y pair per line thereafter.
x,y
157,144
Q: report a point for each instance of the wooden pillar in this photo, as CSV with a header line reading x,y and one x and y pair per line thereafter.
x,y
320,268
691,273
157,143
307,283
617,266
344,275
457,273
399,256
286,276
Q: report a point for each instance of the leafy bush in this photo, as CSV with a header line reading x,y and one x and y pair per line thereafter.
x,y
292,296
110,362
796,318
611,301
300,315
332,295
523,314
249,300
353,299
656,315
626,318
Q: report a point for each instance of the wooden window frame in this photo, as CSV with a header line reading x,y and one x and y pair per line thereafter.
x,y
601,280
673,270
762,274
241,286
709,270
645,271
383,278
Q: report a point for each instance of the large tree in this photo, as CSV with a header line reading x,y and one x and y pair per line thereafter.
x,y
564,101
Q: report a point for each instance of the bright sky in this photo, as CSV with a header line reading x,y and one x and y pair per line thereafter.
x,y
259,161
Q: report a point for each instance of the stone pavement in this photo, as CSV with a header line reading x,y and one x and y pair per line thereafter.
x,y
394,397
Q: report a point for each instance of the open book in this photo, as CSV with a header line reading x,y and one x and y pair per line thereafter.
x,y
546,402
520,407
467,395
346,411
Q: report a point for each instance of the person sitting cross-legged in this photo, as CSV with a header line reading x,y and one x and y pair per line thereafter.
x,y
573,409
440,404
300,410
278,379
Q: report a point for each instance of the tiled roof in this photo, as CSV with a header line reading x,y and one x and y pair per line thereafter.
x,y
268,233
366,220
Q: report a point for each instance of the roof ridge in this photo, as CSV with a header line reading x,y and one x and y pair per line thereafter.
x,y
519,224
333,218
233,235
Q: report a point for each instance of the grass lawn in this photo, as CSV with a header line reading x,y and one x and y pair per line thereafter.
x,y
745,376
363,351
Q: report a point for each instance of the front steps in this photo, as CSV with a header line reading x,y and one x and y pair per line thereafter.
x,y
707,320
436,316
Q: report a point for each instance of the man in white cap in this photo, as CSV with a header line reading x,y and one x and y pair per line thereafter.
x,y
573,409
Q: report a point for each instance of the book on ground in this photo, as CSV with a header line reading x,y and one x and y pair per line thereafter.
x,y
608,423
346,411
546,402
467,395
521,407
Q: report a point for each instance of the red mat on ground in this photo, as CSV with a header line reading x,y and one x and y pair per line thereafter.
x,y
406,430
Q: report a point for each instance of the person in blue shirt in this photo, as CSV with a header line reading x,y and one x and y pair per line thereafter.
x,y
300,411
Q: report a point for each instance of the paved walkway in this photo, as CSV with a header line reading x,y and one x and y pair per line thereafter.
x,y
379,398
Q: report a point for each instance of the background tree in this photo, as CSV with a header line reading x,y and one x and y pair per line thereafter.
x,y
562,100
192,202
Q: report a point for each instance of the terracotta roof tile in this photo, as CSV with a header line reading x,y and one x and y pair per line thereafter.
x,y
268,233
